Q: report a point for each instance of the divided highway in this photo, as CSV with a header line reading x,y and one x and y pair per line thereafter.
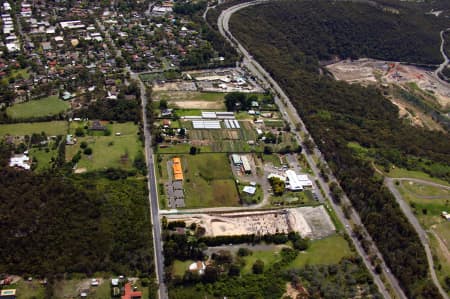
x,y
290,114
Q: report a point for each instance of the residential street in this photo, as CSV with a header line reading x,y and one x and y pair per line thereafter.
x,y
153,197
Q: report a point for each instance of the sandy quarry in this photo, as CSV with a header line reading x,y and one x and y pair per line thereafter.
x,y
311,222
368,71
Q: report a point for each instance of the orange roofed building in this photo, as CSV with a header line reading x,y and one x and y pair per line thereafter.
x,y
130,294
177,170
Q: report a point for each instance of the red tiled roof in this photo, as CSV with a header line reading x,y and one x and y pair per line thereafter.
x,y
129,294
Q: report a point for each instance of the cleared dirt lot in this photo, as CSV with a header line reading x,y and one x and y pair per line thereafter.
x,y
311,222
368,71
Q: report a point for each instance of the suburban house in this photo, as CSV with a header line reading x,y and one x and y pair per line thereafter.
x,y
130,293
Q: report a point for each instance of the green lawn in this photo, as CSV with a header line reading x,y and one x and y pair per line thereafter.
x,y
274,123
38,108
108,151
51,128
427,210
71,289
403,173
267,256
190,95
189,112
181,148
208,180
294,198
181,99
442,267
323,252
274,159
42,156
28,289
180,267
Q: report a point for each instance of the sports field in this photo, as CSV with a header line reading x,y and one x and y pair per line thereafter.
x,y
48,106
51,128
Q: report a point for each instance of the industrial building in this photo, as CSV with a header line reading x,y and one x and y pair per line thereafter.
x,y
246,165
241,161
236,159
177,170
294,182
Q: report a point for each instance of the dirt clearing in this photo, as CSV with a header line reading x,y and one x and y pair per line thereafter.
x,y
311,222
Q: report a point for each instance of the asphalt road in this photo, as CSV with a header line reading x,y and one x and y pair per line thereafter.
x,y
444,55
151,178
290,114
153,196
390,183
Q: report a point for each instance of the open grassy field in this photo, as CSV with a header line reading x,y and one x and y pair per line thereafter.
x,y
28,289
179,267
191,99
208,180
404,173
71,289
294,198
43,157
51,128
274,159
442,267
428,208
428,202
267,256
38,108
326,251
108,151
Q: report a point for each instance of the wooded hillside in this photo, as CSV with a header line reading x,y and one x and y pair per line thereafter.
x,y
288,38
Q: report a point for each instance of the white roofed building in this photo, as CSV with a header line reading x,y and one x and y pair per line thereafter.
x,y
21,161
292,182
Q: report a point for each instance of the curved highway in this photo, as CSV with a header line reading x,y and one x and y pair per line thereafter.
x,y
390,183
290,114
444,55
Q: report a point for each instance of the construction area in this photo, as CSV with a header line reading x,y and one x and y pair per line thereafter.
x,y
309,222
367,71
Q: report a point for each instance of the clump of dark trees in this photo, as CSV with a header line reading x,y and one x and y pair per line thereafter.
x,y
223,276
121,110
54,224
288,38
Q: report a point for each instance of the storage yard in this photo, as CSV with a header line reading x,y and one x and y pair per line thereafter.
x,y
311,222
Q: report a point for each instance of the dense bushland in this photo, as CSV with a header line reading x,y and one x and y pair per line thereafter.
x,y
289,38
